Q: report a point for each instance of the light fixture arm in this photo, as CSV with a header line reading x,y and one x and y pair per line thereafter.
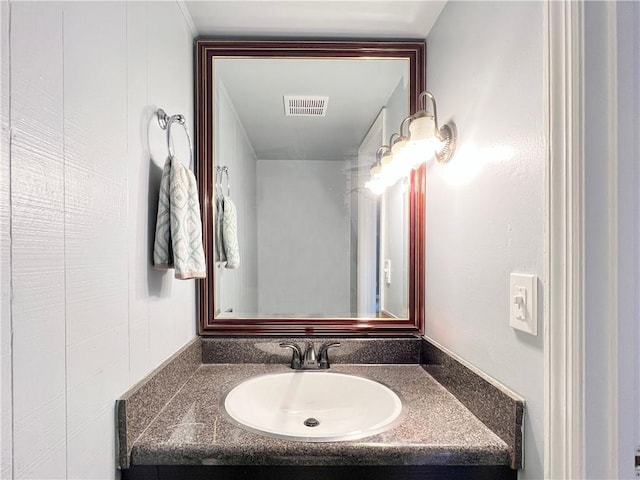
x,y
381,151
404,126
423,104
447,134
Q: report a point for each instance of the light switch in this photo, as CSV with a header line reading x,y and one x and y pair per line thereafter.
x,y
523,301
387,272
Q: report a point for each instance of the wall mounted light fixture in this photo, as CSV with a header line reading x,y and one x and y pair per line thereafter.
x,y
419,139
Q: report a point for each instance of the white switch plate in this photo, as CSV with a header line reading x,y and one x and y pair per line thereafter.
x,y
523,303
387,272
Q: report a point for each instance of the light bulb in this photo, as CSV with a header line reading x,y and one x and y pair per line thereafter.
x,y
375,171
388,173
423,128
402,157
375,186
399,145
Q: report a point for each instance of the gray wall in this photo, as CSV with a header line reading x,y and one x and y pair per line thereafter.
x,y
236,289
612,231
485,209
303,237
395,220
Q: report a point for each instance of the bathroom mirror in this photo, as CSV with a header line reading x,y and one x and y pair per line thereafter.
x,y
295,242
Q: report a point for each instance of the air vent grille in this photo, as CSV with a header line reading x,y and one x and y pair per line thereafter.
x,y
305,106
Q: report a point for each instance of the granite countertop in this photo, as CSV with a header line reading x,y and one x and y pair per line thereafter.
x,y
437,429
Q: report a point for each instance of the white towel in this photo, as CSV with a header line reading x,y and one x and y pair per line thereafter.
x,y
162,252
230,233
180,245
220,255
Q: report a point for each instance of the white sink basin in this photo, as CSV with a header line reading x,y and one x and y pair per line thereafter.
x,y
288,405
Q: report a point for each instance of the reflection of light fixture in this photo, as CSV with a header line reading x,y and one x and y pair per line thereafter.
x,y
402,150
386,162
425,133
377,182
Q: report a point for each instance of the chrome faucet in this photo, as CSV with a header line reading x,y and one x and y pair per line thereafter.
x,y
309,360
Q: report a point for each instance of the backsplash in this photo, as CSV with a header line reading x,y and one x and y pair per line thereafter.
x,y
141,403
351,350
496,406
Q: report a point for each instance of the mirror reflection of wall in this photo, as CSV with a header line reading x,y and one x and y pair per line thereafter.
x,y
394,249
313,242
235,287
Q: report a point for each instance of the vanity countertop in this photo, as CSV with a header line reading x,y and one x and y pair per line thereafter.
x,y
436,430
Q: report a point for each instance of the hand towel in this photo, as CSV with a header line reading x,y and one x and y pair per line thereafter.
x,y
186,226
220,255
162,250
230,233
178,242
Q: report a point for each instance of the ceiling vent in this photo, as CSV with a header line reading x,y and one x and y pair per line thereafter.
x,y
305,106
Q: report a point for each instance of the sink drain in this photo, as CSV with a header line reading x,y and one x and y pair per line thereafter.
x,y
311,422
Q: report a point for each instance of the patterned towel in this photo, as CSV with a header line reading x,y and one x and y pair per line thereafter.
x,y
230,233
178,241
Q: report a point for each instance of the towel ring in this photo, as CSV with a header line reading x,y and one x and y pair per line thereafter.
x,y
165,122
220,171
216,187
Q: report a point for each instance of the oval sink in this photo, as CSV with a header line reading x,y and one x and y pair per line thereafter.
x,y
313,406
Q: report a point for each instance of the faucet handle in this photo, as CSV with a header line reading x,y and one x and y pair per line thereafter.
x,y
296,357
323,354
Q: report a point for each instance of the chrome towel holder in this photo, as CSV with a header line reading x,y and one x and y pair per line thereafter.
x,y
165,122
220,173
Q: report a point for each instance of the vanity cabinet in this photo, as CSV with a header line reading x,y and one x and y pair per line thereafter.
x,y
422,472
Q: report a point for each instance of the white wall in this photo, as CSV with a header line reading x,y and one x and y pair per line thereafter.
x,y
89,315
303,237
237,289
485,209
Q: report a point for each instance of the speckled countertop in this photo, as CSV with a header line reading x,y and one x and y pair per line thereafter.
x,y
437,429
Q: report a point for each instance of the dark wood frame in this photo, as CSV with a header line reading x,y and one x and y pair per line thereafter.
x,y
206,51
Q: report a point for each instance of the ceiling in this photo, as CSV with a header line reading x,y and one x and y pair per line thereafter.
x,y
357,90
256,92
315,19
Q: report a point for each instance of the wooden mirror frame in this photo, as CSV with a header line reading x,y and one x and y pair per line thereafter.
x,y
206,52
